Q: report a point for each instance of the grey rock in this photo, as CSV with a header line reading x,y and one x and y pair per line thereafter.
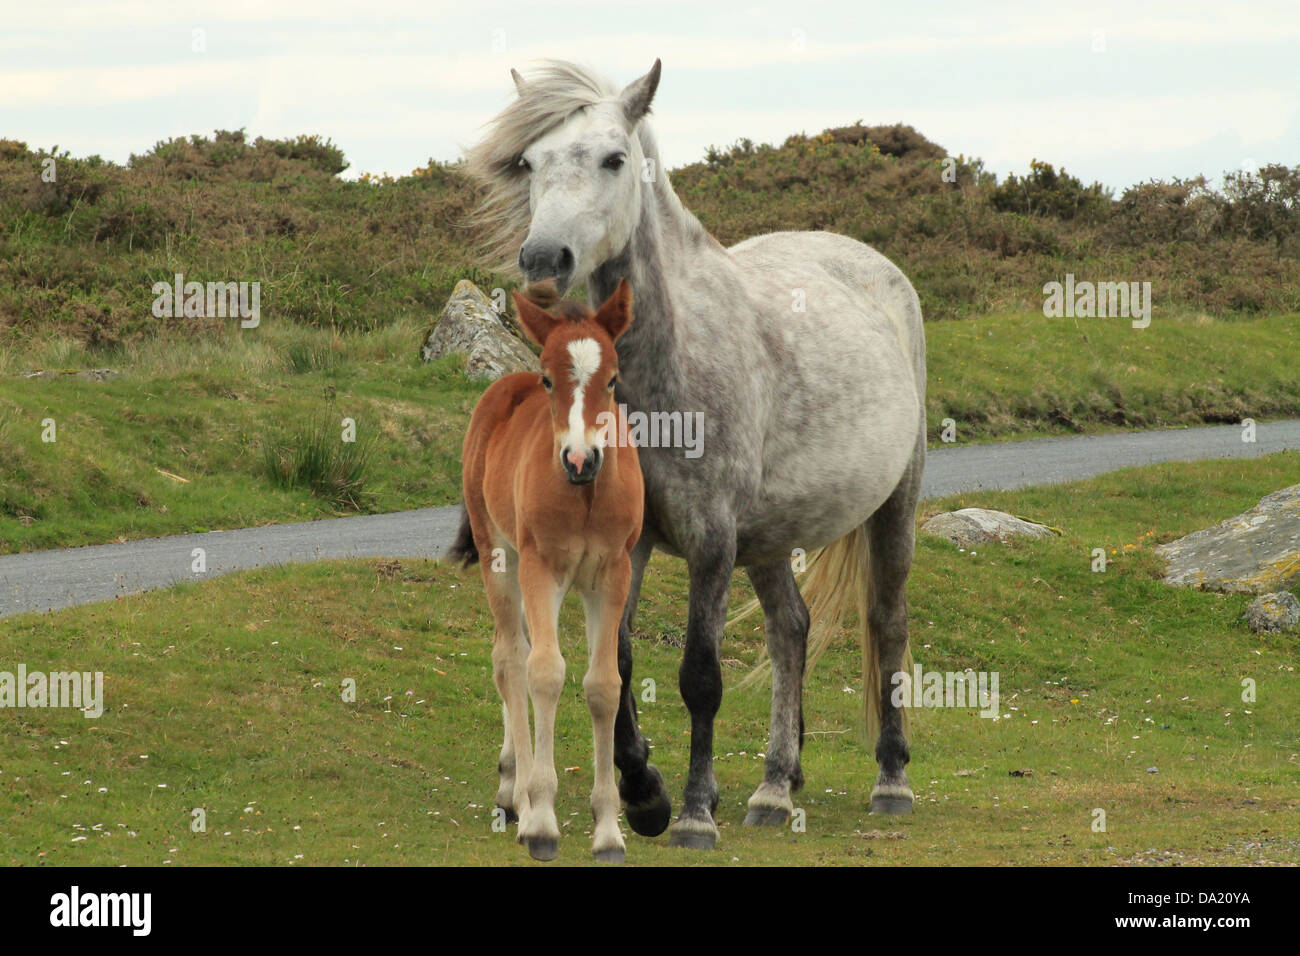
x,y
971,526
492,345
90,374
1272,613
1255,552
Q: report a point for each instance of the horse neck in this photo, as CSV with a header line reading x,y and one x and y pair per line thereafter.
x,y
665,235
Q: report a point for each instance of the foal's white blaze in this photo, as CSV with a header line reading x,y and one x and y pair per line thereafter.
x,y
586,360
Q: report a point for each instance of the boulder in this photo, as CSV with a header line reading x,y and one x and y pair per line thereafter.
x,y
1255,552
972,526
492,345
1271,613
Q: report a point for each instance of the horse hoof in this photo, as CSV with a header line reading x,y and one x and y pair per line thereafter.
x,y
651,816
543,848
616,855
767,817
692,834
894,804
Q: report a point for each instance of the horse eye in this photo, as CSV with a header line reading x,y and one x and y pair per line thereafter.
x,y
614,161
546,383
523,164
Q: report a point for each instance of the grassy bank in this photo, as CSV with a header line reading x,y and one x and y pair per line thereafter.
x,y
1022,375
225,696
180,442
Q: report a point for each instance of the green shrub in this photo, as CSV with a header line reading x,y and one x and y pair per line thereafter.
x,y
1263,205
1045,192
1157,211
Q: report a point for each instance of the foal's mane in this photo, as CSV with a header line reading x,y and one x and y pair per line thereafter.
x,y
551,94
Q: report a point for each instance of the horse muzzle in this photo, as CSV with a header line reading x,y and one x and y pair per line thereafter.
x,y
580,469
547,259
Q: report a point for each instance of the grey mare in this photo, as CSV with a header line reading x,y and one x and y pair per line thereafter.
x,y
806,355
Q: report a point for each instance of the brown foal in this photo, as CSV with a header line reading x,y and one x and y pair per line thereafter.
x,y
554,500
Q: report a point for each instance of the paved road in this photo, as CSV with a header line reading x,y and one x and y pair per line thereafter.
x,y
48,580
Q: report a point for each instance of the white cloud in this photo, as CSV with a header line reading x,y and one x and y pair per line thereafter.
x,y
407,72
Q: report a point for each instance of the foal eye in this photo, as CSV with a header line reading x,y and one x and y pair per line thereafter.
x,y
546,383
613,381
614,161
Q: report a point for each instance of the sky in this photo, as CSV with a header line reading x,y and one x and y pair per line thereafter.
x,y
1115,93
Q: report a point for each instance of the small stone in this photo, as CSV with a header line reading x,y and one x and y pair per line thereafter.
x,y
1273,613
90,374
973,526
1153,769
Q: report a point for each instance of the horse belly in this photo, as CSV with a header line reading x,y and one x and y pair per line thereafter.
x,y
808,502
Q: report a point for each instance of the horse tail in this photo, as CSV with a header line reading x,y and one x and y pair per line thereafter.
x,y
463,548
837,581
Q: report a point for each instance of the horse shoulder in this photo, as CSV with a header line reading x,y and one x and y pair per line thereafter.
x,y
505,414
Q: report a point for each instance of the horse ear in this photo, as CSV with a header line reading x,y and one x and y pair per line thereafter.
x,y
615,314
519,81
636,98
537,323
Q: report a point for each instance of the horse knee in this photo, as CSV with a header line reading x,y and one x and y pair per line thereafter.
x,y
888,621
602,695
545,674
700,680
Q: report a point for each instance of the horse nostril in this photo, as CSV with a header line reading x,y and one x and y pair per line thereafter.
x,y
540,259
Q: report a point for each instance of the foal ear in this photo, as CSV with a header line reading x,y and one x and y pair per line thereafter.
x,y
536,322
615,314
636,98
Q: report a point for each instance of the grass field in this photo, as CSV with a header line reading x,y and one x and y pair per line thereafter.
x,y
225,696
178,443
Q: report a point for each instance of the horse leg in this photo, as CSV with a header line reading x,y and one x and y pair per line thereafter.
x,y
505,798
641,785
785,624
891,538
604,606
509,673
542,593
700,678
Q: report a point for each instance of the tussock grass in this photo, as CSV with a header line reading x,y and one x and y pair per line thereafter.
x,y
317,458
